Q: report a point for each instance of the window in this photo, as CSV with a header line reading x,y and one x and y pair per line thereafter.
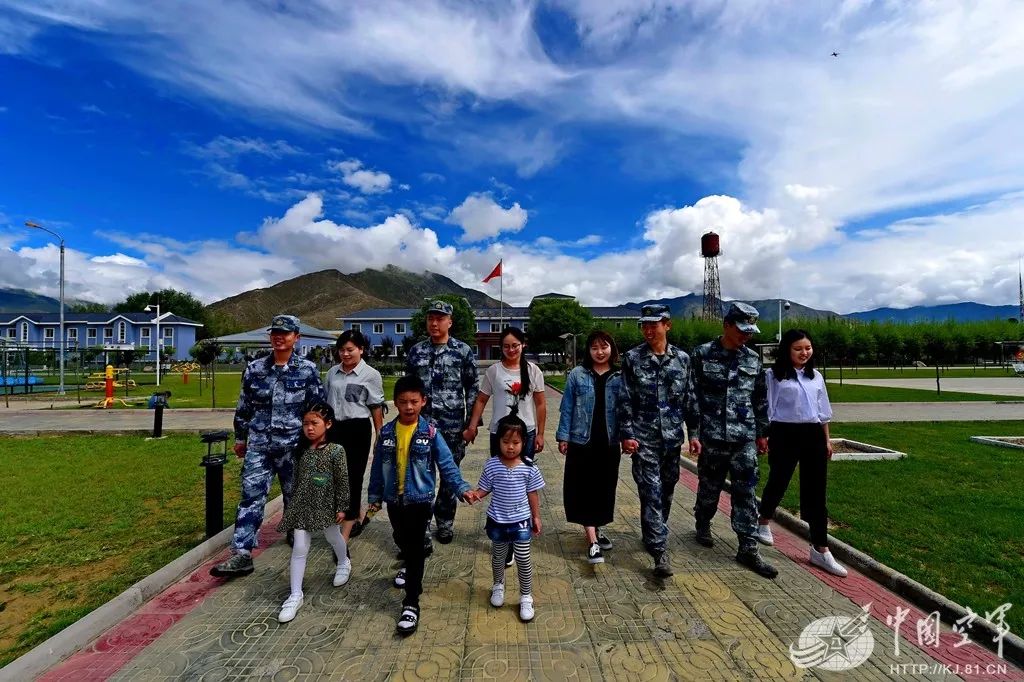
x,y
356,327
90,336
49,333
526,326
476,351
24,332
168,336
399,327
12,333
122,332
72,335
378,327
394,351
496,327
618,325
108,335
147,338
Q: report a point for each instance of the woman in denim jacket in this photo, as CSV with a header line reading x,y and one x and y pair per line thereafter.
x,y
588,437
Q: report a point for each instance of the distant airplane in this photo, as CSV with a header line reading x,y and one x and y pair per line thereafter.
x,y
835,54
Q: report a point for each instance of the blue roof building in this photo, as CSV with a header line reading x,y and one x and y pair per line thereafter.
x,y
394,323
101,331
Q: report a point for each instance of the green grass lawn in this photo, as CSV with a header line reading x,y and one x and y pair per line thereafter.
x,y
192,394
849,393
918,372
950,515
84,517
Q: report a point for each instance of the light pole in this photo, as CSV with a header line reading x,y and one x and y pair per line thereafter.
x,y
783,305
37,226
156,320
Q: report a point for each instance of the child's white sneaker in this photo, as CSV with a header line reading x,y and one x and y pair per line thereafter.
x,y
526,608
827,562
343,572
764,534
498,595
290,607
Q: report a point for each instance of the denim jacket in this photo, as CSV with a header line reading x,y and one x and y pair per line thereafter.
x,y
427,451
577,408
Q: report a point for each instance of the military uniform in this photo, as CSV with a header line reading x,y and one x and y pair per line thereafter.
x,y
733,402
450,375
269,419
657,398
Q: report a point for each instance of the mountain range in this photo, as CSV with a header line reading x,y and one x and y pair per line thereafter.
x,y
319,298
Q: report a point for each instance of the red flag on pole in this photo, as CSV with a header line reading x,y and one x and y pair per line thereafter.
x,y
496,272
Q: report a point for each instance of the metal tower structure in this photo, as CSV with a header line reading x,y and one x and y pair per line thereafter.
x,y
709,250
1020,290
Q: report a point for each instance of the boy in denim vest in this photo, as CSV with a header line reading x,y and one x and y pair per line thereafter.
x,y
405,458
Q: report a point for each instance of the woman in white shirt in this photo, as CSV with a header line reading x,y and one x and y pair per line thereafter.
x,y
518,388
799,412
356,392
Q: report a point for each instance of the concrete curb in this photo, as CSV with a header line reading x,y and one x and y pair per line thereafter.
x,y
82,632
924,598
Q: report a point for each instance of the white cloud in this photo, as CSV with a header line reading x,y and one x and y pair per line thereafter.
x,y
223,148
366,181
480,217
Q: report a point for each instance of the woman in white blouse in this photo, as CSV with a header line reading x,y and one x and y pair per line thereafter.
x,y
799,411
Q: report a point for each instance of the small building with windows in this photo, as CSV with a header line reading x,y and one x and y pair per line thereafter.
x,y
100,331
309,338
394,323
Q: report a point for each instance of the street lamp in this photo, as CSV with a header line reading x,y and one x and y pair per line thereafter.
x,y
156,320
783,305
37,226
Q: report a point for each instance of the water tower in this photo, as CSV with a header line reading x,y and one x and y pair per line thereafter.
x,y
709,250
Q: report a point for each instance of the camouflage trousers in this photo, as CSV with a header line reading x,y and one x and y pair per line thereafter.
x,y
258,471
738,461
447,500
656,472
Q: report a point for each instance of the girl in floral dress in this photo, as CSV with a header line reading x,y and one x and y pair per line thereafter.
x,y
319,501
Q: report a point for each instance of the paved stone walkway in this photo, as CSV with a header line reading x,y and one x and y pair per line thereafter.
x,y
1011,387
712,620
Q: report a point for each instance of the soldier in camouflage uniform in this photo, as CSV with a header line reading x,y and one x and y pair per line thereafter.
x,y
447,368
268,422
733,400
657,399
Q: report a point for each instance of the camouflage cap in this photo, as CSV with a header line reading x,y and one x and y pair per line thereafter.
x,y
440,307
654,313
744,316
284,323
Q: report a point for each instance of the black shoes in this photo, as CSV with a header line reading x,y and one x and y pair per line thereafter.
x,y
236,565
662,566
409,620
756,563
703,537
445,534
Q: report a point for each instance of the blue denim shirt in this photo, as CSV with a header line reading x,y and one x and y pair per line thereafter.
x,y
427,451
577,409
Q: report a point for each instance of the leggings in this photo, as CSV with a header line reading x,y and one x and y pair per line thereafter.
x,y
301,549
524,564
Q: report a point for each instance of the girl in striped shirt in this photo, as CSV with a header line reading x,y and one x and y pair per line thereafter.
x,y
513,515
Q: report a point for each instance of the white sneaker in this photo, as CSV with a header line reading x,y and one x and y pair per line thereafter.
x,y
764,534
343,572
497,595
290,607
827,562
526,608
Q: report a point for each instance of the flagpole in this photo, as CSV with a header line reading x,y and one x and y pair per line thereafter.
x,y
501,295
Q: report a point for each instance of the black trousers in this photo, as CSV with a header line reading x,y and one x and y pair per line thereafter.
x,y
409,522
803,444
354,435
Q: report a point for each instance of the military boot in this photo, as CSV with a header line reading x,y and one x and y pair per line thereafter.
x,y
237,565
756,563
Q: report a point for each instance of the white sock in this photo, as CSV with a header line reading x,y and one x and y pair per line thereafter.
x,y
300,549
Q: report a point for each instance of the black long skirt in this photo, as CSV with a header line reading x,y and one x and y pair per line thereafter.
x,y
591,475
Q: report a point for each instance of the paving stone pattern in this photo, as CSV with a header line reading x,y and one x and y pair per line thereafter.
x,y
713,620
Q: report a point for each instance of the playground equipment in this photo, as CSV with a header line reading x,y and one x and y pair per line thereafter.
x,y
98,380
108,399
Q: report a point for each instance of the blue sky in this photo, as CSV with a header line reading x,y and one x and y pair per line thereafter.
x,y
216,147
